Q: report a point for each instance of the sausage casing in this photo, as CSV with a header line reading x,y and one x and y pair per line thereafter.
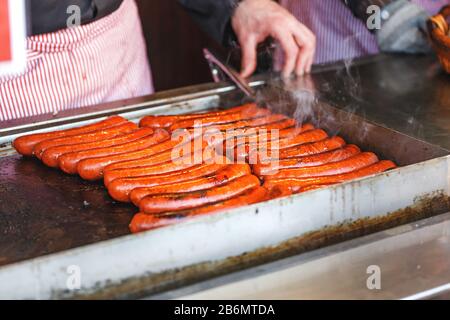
x,y
50,150
298,184
68,161
142,222
303,150
126,185
220,177
184,201
168,151
250,114
165,121
25,144
356,162
97,135
92,168
264,169
244,151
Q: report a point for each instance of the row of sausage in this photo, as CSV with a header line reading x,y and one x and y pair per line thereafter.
x,y
270,156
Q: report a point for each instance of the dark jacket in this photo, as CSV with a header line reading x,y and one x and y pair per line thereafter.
x,y
51,15
214,16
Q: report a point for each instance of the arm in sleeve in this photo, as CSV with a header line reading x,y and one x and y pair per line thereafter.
x,y
213,16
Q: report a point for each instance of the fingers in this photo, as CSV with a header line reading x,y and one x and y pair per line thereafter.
x,y
298,44
309,63
302,60
255,20
306,40
249,59
291,52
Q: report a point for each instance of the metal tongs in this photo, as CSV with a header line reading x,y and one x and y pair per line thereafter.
x,y
219,68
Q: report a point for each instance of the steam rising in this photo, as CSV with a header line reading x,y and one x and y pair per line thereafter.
x,y
305,99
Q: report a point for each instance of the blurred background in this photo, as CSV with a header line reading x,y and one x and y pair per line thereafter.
x,y
174,44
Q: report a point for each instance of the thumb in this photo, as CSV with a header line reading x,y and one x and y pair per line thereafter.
x,y
248,57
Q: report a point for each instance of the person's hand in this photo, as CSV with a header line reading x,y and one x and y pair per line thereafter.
x,y
404,28
255,20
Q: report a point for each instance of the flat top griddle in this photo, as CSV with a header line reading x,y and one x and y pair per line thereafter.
x,y
45,211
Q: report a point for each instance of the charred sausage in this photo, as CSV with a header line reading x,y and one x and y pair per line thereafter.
x,y
274,121
120,191
142,222
50,150
68,162
298,184
193,150
25,144
220,119
97,135
165,121
264,169
178,202
243,151
356,162
266,156
126,185
92,168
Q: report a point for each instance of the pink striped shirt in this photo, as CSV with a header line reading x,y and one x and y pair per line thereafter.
x,y
339,34
98,62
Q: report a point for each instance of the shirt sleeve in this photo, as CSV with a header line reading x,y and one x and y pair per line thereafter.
x,y
213,16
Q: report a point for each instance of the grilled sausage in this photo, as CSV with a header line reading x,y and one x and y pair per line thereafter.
x,y
243,152
168,153
273,121
292,132
92,168
68,162
165,121
236,143
283,124
265,156
261,135
142,222
264,169
127,185
312,148
50,150
25,144
178,202
287,142
98,135
147,178
221,177
54,153
220,119
161,168
315,187
299,184
278,191
356,162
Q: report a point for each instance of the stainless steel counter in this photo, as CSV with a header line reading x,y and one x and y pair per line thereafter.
x,y
413,262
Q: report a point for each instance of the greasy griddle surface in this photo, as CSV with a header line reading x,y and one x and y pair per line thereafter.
x,y
44,211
